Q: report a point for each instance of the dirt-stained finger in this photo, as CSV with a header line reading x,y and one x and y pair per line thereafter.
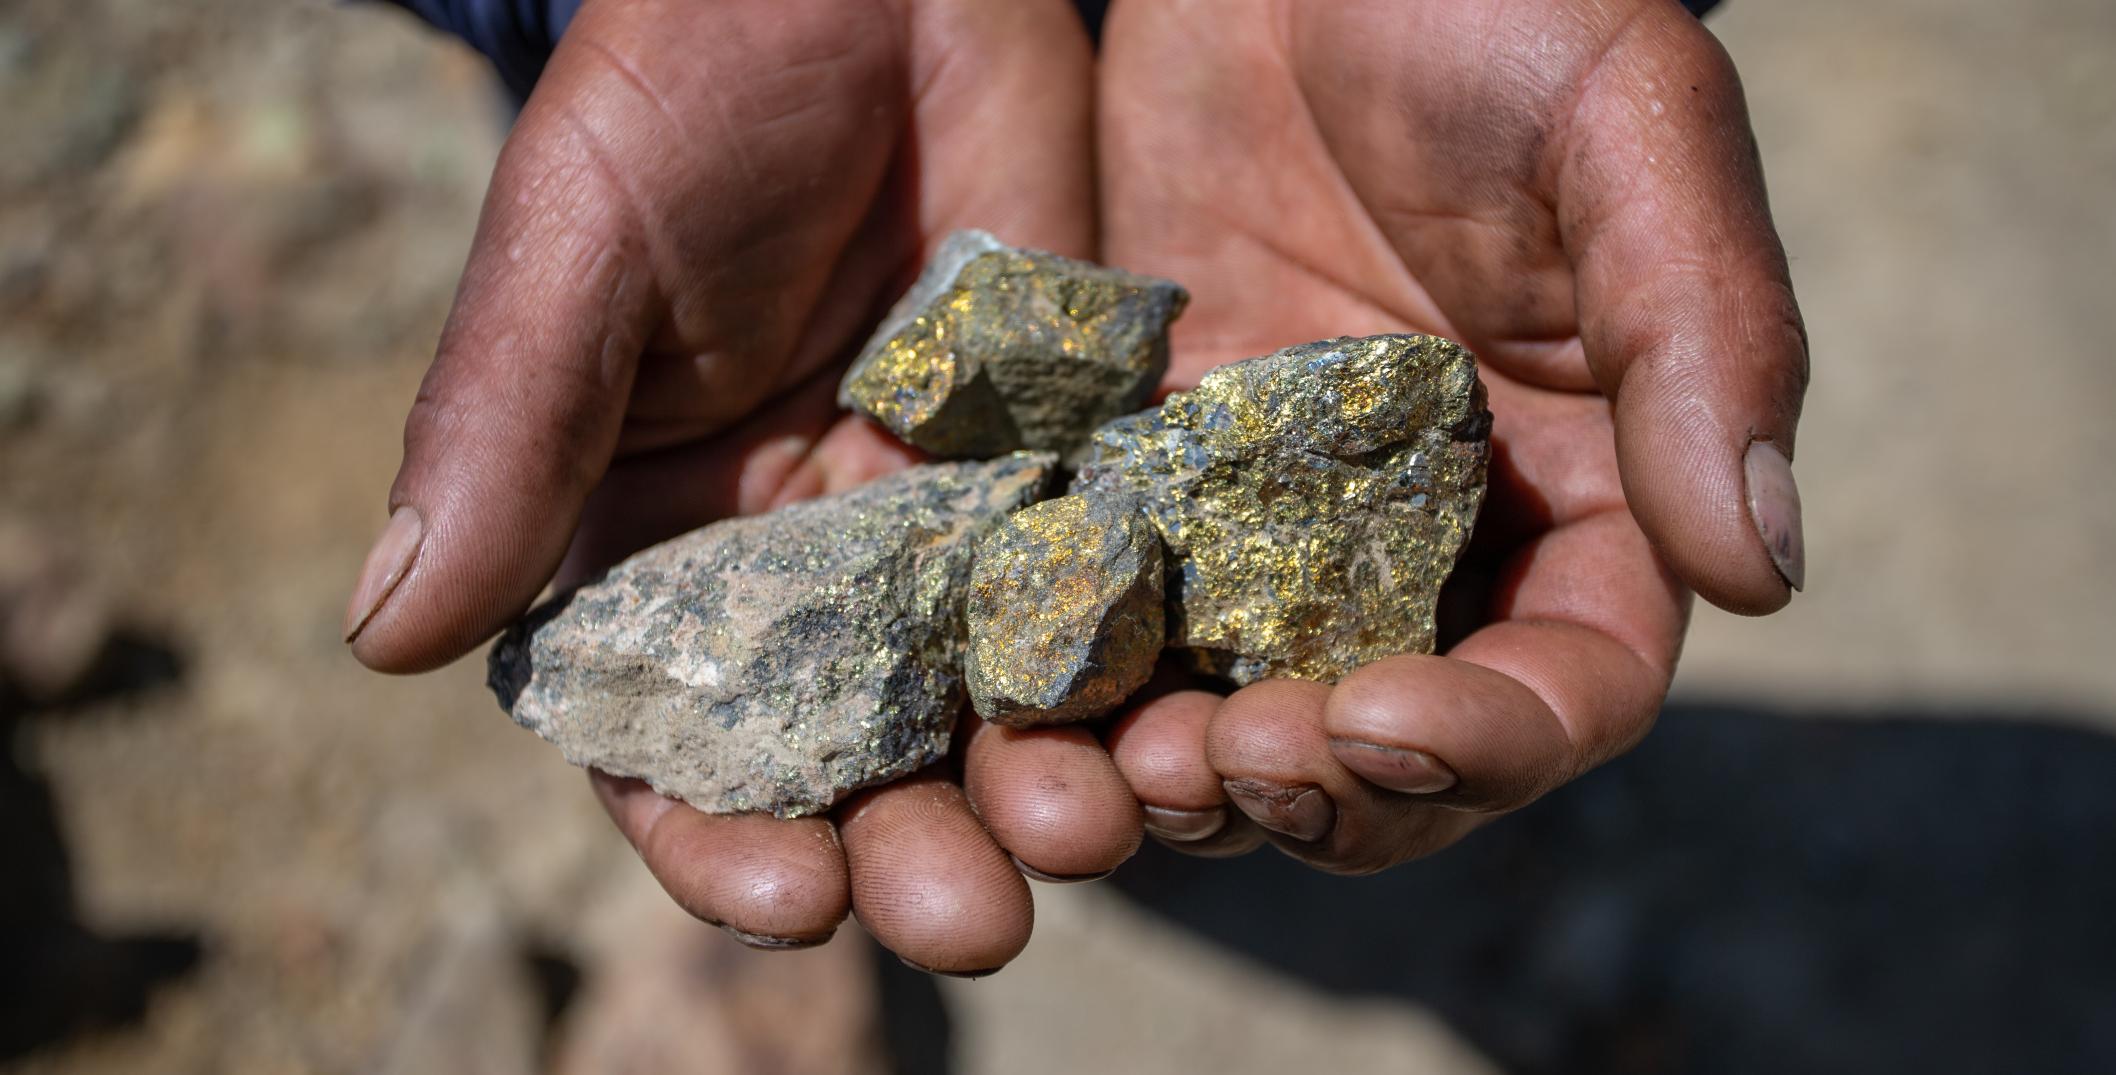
x,y
771,883
929,882
1052,798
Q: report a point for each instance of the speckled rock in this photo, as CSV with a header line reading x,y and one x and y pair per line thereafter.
x,y
1064,611
775,662
1312,501
995,349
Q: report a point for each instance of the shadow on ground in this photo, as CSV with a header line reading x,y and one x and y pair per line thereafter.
x,y
1747,892
57,976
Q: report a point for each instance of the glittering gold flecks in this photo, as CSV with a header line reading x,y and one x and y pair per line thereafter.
x,y
995,349
1294,515
1312,501
1064,611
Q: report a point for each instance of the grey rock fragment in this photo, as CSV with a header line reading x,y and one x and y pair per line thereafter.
x,y
1064,611
775,662
995,349
1312,501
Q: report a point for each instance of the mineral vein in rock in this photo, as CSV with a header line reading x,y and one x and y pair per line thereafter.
x,y
775,662
1311,501
1064,611
995,349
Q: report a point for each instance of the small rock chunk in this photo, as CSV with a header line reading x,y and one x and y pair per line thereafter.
x,y
1064,611
996,349
775,662
1312,501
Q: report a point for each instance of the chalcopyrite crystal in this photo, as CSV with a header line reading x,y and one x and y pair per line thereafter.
x,y
775,662
1312,501
996,349
1064,611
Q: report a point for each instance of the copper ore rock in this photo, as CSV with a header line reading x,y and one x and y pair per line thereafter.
x,y
775,662
996,349
1064,611
1312,501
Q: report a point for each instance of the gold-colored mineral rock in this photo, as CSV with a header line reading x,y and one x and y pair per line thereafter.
x,y
1312,501
1293,515
1064,611
996,349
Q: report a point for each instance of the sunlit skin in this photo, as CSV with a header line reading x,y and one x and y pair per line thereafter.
x,y
696,218
1571,189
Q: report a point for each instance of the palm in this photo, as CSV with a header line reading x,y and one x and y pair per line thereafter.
x,y
695,216
848,151
1421,217
1457,167
699,214
1317,169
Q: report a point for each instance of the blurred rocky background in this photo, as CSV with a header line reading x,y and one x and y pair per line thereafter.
x,y
1872,834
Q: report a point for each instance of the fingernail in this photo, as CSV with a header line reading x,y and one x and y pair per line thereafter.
x,y
1183,826
386,565
1035,874
986,973
1412,772
768,943
1774,504
1304,813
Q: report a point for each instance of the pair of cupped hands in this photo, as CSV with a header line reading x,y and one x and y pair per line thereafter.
x,y
702,212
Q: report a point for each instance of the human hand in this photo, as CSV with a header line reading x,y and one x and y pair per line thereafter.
x,y
1570,188
700,212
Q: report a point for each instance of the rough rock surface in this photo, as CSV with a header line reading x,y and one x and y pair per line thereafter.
x,y
774,662
996,349
1312,501
1064,611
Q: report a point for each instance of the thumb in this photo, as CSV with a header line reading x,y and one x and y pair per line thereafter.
x,y
1686,310
519,414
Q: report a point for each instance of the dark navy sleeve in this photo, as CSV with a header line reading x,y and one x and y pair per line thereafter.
x,y
516,35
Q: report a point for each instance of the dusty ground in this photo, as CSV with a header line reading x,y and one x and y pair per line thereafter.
x,y
228,232
1941,170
